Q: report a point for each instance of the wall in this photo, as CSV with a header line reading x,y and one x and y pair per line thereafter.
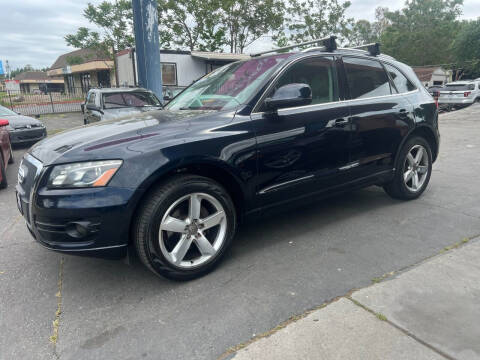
x,y
189,68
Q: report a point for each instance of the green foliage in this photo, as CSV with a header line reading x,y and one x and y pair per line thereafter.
x,y
115,19
75,60
312,19
27,67
466,48
245,21
422,32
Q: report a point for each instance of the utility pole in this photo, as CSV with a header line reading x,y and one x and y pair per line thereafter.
x,y
147,47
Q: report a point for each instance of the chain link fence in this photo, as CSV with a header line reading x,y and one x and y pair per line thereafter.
x,y
39,102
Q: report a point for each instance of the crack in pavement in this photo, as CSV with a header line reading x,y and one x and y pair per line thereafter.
x,y
56,322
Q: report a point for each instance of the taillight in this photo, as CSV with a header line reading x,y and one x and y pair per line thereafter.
x,y
466,93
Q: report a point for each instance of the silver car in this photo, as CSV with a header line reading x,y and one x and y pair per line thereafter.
x,y
113,103
460,93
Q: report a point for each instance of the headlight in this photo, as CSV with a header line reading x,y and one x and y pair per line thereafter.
x,y
84,174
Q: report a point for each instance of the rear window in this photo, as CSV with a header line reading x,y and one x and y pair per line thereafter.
x,y
366,78
459,87
129,99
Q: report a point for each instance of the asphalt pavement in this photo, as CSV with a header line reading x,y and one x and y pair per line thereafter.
x,y
278,267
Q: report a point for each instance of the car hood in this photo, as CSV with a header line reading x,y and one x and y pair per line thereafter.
x,y
111,114
103,139
21,121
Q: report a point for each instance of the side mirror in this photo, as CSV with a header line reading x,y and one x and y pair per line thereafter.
x,y
94,108
290,95
4,122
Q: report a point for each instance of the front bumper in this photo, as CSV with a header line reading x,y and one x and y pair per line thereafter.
x,y
88,222
27,136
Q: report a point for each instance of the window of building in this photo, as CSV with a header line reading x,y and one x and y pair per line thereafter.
x,y
85,80
402,84
169,74
366,78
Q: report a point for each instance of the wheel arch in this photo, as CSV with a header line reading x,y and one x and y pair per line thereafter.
x,y
210,169
425,132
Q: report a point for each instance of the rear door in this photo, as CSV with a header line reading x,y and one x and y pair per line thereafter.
x,y
302,149
380,116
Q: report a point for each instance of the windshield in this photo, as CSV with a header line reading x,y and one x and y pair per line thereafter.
x,y
459,87
228,86
129,99
6,112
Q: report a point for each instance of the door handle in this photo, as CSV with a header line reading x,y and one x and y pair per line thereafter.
x,y
341,122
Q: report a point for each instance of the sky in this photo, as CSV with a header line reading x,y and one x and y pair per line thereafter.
x,y
32,31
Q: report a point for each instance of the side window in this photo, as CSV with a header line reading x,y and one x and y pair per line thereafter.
x,y
399,80
91,99
366,78
319,73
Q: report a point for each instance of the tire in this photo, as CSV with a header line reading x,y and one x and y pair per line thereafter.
x,y
411,168
3,174
160,250
12,159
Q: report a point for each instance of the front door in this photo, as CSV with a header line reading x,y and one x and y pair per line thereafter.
x,y
302,149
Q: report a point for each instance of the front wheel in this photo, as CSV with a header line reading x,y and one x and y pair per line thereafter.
x,y
413,170
184,227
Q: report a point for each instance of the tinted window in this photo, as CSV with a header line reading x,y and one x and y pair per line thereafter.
x,y
318,73
402,84
366,78
130,99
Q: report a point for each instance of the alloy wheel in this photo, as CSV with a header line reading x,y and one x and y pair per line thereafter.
x,y
193,230
416,167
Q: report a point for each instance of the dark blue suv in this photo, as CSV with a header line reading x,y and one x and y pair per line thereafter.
x,y
174,184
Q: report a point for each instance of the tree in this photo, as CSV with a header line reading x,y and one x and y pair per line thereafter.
x,y
362,32
191,24
247,20
312,19
422,32
115,19
466,48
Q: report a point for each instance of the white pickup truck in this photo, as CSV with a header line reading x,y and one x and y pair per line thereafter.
x,y
460,93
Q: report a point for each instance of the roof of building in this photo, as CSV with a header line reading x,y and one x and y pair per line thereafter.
x,y
219,56
35,76
79,56
424,73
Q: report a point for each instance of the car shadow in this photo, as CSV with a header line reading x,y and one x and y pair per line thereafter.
x,y
293,225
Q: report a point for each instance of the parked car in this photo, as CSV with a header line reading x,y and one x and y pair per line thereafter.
x,y
6,154
24,130
174,185
114,103
435,90
460,93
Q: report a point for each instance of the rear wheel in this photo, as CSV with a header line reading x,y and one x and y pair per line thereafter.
x,y
3,174
184,227
413,170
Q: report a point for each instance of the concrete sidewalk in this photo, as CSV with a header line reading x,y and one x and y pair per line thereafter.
x,y
430,311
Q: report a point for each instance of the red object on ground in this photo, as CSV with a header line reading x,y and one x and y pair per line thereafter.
x,y
4,149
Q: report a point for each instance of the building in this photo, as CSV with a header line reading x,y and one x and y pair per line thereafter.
x,y
83,69
179,68
39,81
433,75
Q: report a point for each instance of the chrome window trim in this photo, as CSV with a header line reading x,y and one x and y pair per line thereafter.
x,y
282,71
275,186
297,109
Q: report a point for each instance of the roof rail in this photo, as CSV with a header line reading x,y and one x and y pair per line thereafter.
x,y
328,42
373,48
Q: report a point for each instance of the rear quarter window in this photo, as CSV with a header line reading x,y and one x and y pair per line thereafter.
x,y
400,81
